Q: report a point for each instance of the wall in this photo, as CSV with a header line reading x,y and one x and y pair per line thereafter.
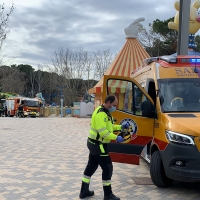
x,y
86,109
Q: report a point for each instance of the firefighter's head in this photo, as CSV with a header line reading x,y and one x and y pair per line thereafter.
x,y
111,102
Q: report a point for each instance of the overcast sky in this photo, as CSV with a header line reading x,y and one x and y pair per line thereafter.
x,y
40,27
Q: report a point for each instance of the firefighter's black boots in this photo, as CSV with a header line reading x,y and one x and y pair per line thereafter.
x,y
111,197
108,195
85,192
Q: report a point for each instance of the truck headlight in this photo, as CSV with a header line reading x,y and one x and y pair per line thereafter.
x,y
179,138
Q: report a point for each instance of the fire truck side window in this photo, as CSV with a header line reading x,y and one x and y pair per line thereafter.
x,y
128,98
133,99
139,97
129,95
17,100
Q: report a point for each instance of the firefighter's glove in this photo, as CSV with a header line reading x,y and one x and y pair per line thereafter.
x,y
119,139
125,126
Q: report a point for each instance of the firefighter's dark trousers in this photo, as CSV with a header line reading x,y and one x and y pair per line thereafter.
x,y
107,168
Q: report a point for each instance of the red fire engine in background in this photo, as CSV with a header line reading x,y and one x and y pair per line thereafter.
x,y
31,106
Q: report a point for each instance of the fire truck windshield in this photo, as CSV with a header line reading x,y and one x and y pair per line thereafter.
x,y
179,94
31,103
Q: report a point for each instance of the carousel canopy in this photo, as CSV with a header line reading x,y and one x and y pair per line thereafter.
x,y
129,58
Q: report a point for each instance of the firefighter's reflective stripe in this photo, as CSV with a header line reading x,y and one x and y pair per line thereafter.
x,y
106,182
86,179
106,135
101,129
94,133
92,136
101,148
92,129
91,142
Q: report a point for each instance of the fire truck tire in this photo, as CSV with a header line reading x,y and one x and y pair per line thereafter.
x,y
157,171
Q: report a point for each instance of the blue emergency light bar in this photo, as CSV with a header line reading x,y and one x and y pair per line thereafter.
x,y
171,59
190,60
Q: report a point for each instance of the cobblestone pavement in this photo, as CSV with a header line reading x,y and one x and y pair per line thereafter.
x,y
44,158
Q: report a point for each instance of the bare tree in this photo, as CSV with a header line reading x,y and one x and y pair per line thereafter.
x,y
146,38
69,65
4,20
102,60
89,69
149,40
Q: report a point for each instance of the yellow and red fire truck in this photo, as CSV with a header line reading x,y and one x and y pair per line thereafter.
x,y
161,102
31,106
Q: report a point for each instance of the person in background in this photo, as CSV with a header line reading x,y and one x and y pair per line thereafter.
x,y
1,110
101,133
21,110
5,110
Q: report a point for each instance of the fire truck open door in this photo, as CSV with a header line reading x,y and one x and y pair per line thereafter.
x,y
131,97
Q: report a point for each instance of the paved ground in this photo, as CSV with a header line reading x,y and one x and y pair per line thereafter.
x,y
44,158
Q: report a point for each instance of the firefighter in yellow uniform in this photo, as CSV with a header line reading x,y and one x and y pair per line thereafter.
x,y
101,132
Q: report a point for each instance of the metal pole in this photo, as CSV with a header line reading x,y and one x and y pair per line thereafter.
x,y
61,102
179,27
184,17
61,107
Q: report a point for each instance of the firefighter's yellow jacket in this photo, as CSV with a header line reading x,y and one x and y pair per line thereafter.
x,y
102,127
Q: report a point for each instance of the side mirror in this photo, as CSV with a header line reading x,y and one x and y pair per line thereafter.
x,y
148,109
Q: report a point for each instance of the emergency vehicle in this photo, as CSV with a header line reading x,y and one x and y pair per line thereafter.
x,y
161,101
30,106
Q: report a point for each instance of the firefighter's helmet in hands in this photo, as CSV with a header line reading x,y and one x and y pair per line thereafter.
x,y
126,134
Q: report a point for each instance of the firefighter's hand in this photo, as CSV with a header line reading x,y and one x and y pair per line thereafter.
x,y
125,126
119,139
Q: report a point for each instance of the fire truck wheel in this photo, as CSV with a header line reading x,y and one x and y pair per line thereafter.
x,y
157,171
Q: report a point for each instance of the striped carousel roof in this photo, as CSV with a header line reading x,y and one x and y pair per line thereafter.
x,y
129,58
